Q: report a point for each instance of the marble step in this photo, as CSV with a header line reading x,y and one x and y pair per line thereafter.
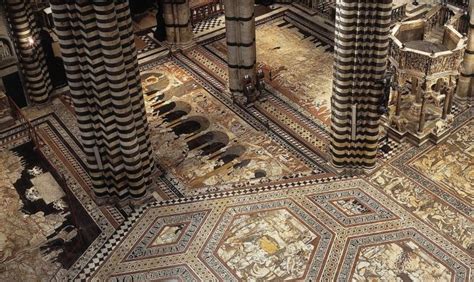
x,y
316,26
418,12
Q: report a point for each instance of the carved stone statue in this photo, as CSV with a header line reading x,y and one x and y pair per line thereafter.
x,y
385,98
249,89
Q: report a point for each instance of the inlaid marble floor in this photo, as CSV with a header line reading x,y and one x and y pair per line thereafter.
x,y
37,236
300,66
282,234
410,219
405,220
298,74
21,234
396,224
204,143
240,199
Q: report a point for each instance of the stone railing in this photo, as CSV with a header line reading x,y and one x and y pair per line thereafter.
x,y
463,4
325,9
206,9
307,3
424,63
445,61
39,5
435,17
442,15
314,4
4,51
399,12
460,22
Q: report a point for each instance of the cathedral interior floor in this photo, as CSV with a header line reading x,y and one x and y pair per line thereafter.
x,y
245,193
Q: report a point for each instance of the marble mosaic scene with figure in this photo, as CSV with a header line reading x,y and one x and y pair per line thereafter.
x,y
236,140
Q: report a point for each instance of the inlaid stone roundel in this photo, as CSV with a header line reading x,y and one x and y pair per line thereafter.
x,y
274,240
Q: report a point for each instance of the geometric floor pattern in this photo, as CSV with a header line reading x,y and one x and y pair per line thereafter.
x,y
167,236
283,234
403,254
149,42
352,207
208,24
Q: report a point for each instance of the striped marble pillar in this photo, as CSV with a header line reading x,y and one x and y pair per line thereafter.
x,y
177,16
465,90
241,49
30,54
361,49
97,45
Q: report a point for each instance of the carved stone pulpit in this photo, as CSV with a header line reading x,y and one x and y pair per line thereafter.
x,y
426,55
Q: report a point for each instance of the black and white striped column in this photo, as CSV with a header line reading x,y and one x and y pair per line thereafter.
x,y
361,49
240,34
177,16
97,45
465,90
29,51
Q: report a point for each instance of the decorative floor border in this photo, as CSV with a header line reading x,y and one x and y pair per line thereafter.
x,y
215,88
124,229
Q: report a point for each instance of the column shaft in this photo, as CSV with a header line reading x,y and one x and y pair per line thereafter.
x,y
30,53
421,121
177,16
447,102
465,90
97,45
361,49
240,35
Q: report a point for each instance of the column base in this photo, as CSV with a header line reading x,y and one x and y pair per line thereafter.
x,y
175,47
352,167
238,98
129,200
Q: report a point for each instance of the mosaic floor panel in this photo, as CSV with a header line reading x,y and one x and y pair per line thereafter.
x,y
406,259
209,24
451,163
44,242
301,70
283,234
201,141
146,43
57,141
18,248
415,180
